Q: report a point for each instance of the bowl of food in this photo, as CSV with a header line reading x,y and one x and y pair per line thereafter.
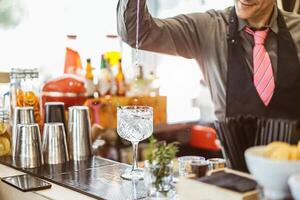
x,y
272,165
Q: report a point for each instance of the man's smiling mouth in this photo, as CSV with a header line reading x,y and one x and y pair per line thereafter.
x,y
246,3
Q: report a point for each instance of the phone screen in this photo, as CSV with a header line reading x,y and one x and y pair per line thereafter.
x,y
26,182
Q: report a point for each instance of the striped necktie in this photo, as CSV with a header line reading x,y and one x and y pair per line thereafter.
x,y
263,77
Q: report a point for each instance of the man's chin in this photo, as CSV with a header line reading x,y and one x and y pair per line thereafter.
x,y
242,14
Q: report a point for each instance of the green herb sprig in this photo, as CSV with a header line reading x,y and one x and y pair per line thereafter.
x,y
162,154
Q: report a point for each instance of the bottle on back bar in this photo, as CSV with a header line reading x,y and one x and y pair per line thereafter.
x,y
89,79
113,88
105,78
120,80
72,58
139,86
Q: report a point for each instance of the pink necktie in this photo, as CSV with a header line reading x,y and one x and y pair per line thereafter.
x,y
262,68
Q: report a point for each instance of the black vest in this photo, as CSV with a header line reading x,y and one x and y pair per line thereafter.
x,y
242,97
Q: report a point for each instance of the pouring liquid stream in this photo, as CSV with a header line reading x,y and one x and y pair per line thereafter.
x,y
137,34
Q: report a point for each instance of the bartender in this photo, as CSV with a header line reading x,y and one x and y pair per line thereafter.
x,y
249,53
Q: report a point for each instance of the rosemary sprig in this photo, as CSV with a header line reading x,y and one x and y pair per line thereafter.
x,y
162,154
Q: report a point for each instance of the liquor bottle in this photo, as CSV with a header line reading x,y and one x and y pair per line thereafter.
x,y
120,80
139,86
154,84
72,57
113,88
89,79
105,78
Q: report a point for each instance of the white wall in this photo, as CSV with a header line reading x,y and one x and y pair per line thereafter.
x,y
184,84
39,41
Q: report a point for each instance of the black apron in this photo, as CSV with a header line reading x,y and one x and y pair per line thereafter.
x,y
248,121
242,97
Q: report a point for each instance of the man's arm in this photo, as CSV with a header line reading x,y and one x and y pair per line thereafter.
x,y
182,35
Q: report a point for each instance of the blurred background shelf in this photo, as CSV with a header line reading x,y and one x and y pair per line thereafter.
x,y
104,110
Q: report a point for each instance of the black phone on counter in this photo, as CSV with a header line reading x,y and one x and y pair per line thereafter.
x,y
26,183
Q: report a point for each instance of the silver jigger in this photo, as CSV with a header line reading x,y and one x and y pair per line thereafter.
x,y
55,150
79,133
28,149
22,115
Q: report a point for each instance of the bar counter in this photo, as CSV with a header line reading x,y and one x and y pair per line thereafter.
x,y
96,178
99,178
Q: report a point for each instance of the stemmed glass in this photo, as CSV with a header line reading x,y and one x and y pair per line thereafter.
x,y
134,123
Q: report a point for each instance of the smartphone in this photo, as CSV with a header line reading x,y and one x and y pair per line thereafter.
x,y
26,183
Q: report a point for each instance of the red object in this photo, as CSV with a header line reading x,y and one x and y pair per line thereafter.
x,y
68,89
204,138
95,108
72,62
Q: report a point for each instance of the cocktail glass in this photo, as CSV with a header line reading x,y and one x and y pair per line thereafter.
x,y
134,123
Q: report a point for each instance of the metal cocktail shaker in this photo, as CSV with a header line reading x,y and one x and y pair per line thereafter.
x,y
22,115
79,133
55,112
28,149
55,149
